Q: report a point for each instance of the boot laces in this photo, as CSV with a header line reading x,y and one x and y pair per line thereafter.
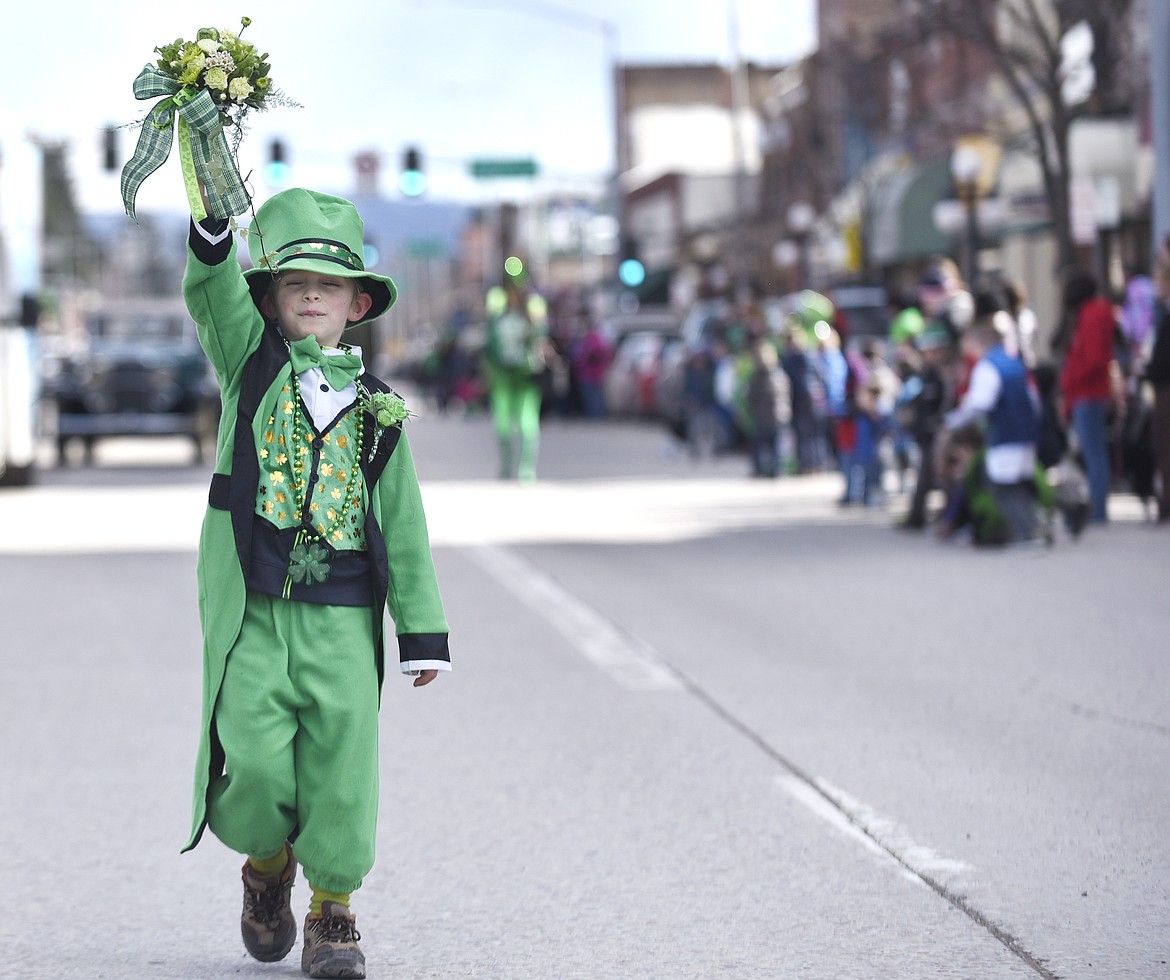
x,y
265,904
338,928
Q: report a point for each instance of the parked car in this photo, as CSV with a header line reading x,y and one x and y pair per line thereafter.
x,y
630,381
656,319
138,370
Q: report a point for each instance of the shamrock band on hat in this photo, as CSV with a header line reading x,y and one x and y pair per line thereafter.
x,y
304,230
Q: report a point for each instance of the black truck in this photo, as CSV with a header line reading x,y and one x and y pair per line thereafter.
x,y
135,370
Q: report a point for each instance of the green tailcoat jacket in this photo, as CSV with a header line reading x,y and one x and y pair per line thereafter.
x,y
251,364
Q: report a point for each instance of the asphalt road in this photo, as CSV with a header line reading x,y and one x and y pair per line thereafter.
x,y
699,726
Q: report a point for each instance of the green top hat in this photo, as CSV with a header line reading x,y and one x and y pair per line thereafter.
x,y
306,230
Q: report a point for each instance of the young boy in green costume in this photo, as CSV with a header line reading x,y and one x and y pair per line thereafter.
x,y
314,527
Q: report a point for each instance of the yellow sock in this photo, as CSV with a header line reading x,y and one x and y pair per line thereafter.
x,y
270,866
321,895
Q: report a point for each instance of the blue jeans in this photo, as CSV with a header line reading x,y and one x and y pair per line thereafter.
x,y
592,399
1088,421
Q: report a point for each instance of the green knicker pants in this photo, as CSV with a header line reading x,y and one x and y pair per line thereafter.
x,y
515,404
297,716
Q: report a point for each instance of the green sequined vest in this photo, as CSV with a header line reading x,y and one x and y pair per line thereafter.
x,y
294,457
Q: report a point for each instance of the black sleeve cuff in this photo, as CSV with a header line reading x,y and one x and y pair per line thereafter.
x,y
423,646
210,253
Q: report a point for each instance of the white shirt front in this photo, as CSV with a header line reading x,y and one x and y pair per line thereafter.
x,y
321,402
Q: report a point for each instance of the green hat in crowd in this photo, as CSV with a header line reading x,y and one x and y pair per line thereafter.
x,y
304,230
907,325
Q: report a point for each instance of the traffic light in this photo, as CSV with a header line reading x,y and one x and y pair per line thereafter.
x,y
276,171
110,149
30,310
631,271
412,181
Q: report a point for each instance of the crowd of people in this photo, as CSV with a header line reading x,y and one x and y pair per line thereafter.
x,y
955,408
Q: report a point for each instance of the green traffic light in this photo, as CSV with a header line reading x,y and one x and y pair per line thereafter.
x,y
412,183
632,273
276,173
411,179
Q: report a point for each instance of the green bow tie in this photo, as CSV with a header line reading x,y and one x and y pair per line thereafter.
x,y
339,369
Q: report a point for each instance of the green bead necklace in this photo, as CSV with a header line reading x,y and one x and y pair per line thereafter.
x,y
308,558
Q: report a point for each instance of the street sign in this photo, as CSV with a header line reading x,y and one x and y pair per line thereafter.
x,y
425,248
487,169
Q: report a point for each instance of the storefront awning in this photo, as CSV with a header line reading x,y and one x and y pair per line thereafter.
x,y
902,227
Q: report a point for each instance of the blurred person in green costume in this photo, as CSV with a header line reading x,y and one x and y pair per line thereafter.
x,y
516,358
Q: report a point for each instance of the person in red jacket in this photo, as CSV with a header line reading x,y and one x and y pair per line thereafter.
x,y
1086,386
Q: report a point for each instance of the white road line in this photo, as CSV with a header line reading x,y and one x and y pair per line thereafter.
x,y
626,659
895,838
882,837
634,665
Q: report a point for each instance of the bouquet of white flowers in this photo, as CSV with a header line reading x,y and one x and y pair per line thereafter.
x,y
231,68
207,84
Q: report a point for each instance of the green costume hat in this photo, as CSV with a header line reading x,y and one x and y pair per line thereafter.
x,y
306,230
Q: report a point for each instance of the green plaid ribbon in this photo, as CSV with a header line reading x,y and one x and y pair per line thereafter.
x,y
206,150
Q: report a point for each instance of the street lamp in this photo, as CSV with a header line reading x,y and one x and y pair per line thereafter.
x,y
800,218
966,169
785,253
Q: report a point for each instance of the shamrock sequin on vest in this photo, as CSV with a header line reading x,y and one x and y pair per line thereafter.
x,y
310,479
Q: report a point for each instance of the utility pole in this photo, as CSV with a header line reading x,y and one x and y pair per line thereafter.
x,y
740,100
1160,114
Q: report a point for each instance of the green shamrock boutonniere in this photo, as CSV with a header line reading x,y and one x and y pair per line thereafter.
x,y
307,564
387,408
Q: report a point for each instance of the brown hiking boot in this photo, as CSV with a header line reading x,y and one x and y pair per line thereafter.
x,y
331,945
267,924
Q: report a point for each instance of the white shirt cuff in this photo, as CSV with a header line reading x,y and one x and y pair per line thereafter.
x,y
414,666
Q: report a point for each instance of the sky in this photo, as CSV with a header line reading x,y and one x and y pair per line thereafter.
x,y
458,79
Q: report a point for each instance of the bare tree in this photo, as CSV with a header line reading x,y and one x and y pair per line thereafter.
x,y
1025,39
69,254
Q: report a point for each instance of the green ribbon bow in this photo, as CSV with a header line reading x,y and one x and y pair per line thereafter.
x,y
339,369
203,149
